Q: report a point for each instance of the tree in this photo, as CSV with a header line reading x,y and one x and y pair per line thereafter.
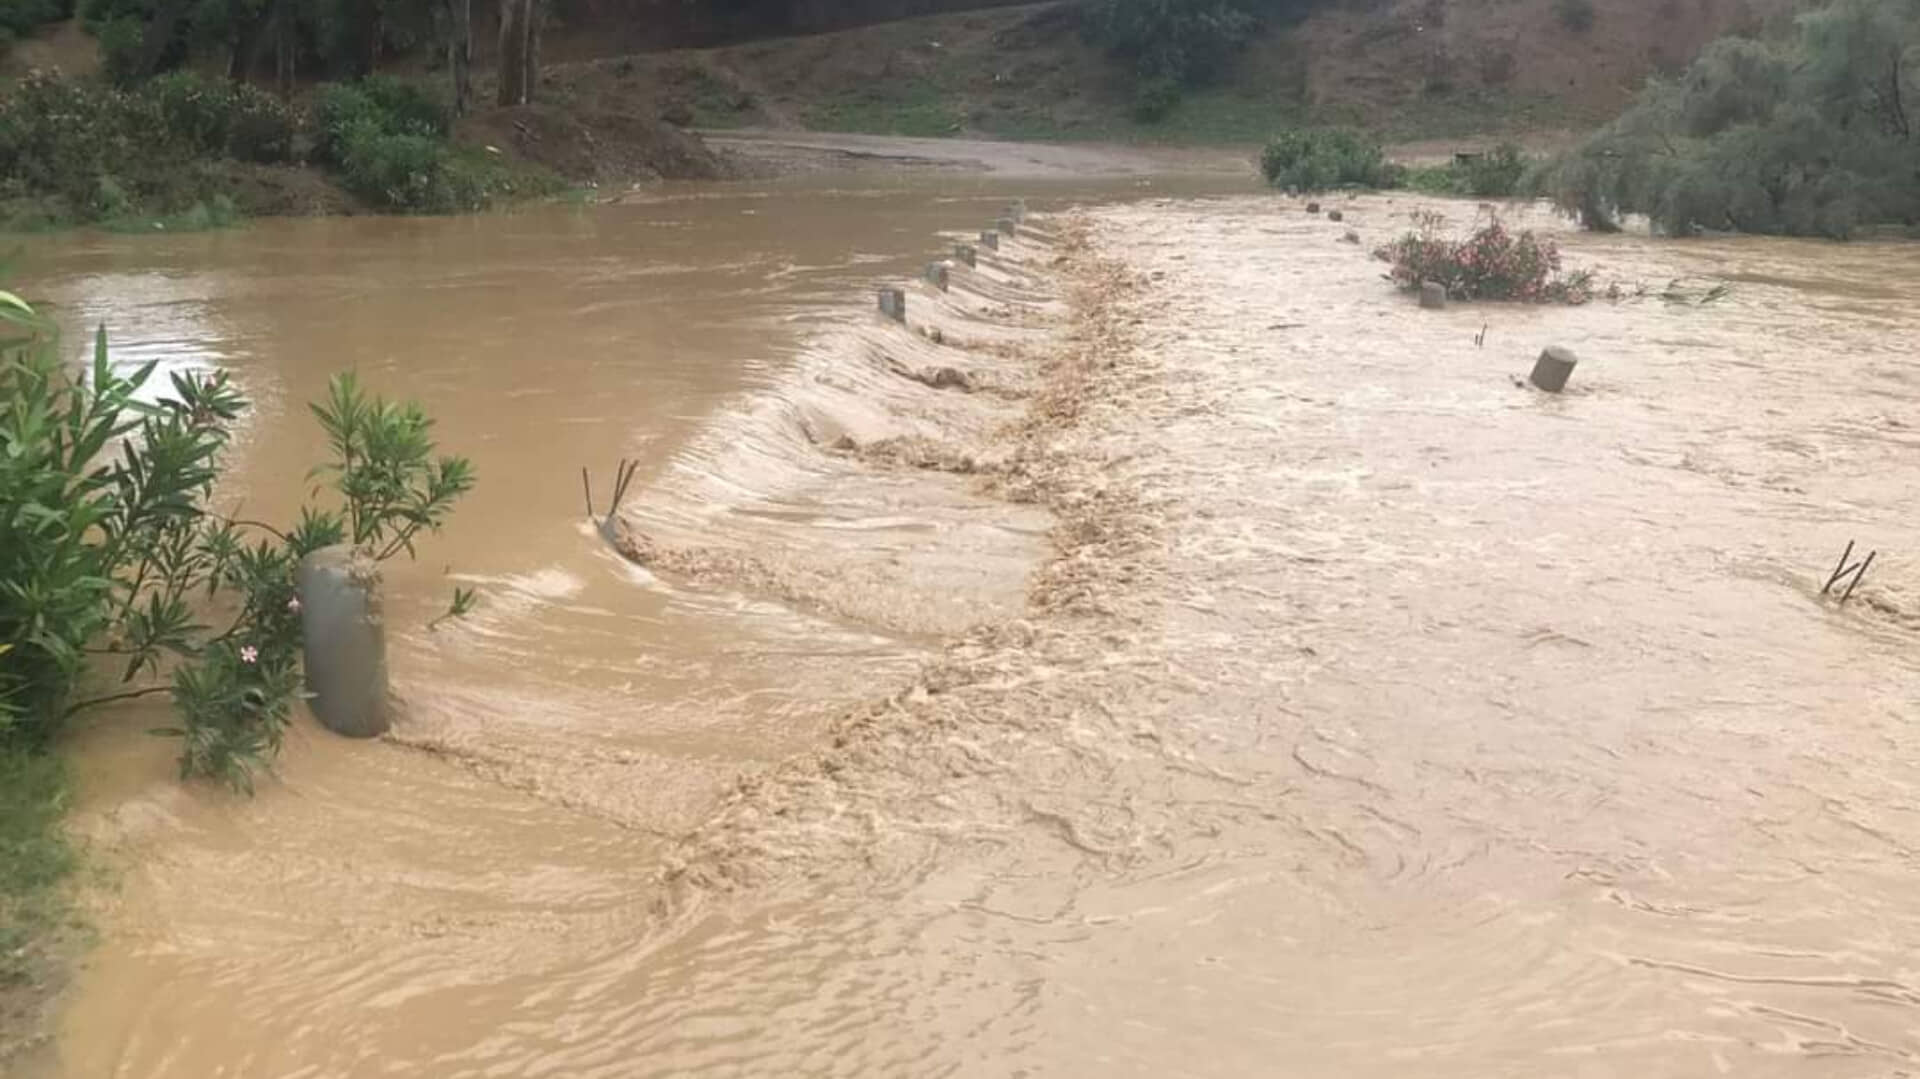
x,y
1810,135
460,52
517,52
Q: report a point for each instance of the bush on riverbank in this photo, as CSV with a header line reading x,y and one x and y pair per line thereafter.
x,y
163,153
1317,159
1811,135
77,150
1491,264
113,561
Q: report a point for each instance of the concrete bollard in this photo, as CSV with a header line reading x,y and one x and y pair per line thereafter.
x,y
1007,225
893,303
346,640
990,240
1553,368
1018,210
937,275
1433,295
1313,207
1335,215
1351,237
966,253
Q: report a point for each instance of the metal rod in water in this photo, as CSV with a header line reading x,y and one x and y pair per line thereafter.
x,y
586,482
1839,568
1857,577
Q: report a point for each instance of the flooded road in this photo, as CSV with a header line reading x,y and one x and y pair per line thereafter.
x,y
1225,670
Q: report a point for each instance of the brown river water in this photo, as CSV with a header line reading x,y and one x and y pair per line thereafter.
x,y
1224,669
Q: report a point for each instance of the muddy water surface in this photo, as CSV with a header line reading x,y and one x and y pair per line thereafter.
x,y
1231,672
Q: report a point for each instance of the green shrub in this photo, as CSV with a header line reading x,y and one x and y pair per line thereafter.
x,y
61,137
223,118
409,173
122,41
386,105
1498,173
1491,264
103,153
411,107
1315,159
261,127
116,552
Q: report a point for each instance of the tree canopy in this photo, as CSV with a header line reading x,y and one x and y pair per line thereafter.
x,y
1812,134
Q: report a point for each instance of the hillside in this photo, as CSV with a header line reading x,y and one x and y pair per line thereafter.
x,y
1412,68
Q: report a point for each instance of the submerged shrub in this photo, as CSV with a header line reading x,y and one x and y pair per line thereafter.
x,y
1315,159
1491,264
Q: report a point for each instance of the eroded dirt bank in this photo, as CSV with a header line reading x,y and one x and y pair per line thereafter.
x,y
1227,670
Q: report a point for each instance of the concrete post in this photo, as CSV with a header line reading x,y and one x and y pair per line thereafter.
x,y
1018,210
893,303
966,253
1553,368
1433,295
1313,207
1335,215
937,275
990,240
346,640
1007,225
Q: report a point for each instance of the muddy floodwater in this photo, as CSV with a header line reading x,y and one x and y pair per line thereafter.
x,y
1172,653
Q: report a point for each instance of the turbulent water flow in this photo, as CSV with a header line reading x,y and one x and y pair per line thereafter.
x,y
1173,653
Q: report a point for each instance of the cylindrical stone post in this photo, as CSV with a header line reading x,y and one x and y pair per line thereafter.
x,y
966,253
1335,215
1313,207
1007,225
1553,368
346,640
893,303
990,240
1433,295
937,275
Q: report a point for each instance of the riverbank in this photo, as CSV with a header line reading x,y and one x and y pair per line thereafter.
x,y
37,939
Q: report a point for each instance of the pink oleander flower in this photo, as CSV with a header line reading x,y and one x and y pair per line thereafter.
x,y
294,605
249,654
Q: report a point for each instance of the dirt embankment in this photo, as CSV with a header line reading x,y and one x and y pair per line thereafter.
x,y
595,145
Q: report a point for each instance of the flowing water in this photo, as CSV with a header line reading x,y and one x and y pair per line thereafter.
x,y
1175,654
